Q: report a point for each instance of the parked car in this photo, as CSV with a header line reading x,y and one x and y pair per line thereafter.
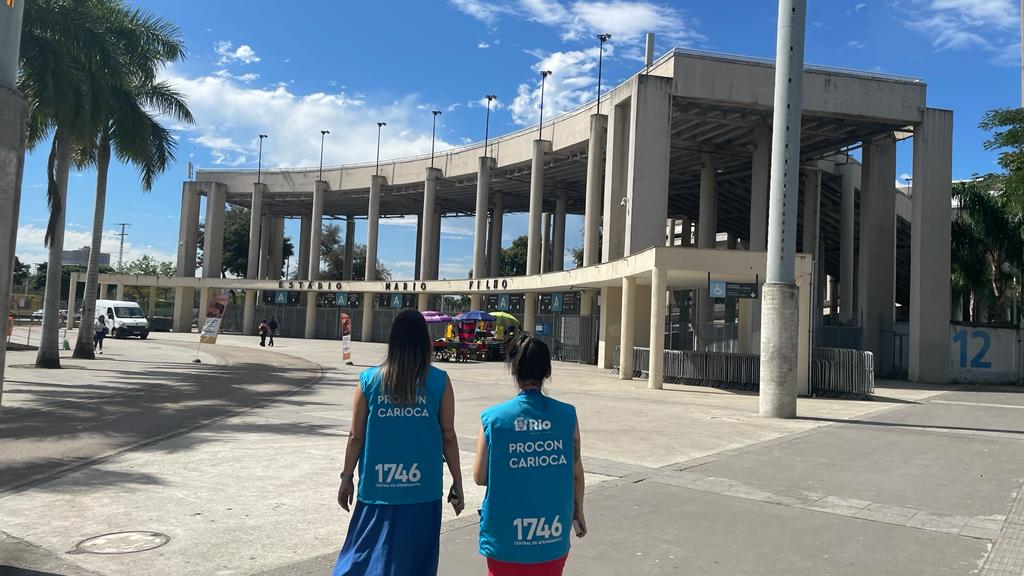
x,y
37,315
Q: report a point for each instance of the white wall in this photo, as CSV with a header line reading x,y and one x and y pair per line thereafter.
x,y
988,355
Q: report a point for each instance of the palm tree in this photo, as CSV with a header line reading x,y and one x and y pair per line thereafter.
x,y
127,125
59,37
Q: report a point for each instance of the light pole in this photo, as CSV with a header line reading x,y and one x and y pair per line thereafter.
x,y
540,126
376,164
487,122
433,130
320,173
600,57
780,311
259,163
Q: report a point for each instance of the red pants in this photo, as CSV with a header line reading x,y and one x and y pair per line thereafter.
x,y
551,568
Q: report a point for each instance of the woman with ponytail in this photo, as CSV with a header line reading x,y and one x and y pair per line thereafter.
x,y
528,456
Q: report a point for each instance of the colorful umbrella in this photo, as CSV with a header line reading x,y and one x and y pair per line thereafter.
x,y
436,317
504,318
474,316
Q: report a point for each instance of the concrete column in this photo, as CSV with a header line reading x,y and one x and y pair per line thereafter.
x,y
686,232
659,278
760,172
670,236
213,241
483,187
877,278
811,222
529,312
372,227
350,247
418,268
427,255
435,263
545,245
497,219
616,168
929,248
370,271
558,234
595,187
302,268
316,229
533,235
648,164
276,248
120,292
707,229
846,237
266,233
151,309
188,235
628,323
610,328
72,289
253,263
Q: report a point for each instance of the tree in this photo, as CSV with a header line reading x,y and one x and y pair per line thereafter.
x,y
146,266
332,255
513,258
577,256
21,272
235,259
124,116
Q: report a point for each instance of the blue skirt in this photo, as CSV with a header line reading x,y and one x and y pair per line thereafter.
x,y
392,540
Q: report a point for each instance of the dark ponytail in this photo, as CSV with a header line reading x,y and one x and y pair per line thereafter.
x,y
529,360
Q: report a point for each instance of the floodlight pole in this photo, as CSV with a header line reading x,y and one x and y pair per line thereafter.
x,y
320,173
376,163
433,131
487,121
259,162
780,307
600,58
540,126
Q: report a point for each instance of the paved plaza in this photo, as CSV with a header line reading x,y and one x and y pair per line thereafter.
x,y
230,466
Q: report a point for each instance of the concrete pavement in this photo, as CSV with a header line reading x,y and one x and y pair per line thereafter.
x,y
685,480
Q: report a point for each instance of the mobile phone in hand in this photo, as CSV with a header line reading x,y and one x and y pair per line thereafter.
x,y
453,496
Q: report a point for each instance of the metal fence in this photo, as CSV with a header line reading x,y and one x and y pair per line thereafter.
x,y
571,338
834,372
719,337
291,320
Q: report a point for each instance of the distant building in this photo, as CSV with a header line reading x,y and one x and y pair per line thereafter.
x,y
80,257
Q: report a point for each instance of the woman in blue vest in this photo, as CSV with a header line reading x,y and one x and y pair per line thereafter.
x,y
528,456
403,420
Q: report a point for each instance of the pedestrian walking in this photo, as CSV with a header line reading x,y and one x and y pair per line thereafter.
x,y
100,330
403,420
272,326
264,331
528,456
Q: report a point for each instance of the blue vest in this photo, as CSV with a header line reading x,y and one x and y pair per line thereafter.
x,y
527,513
401,459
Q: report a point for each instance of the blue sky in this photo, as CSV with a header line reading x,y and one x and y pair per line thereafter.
x,y
290,69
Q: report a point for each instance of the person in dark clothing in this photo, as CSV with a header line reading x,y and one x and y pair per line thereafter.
x,y
272,326
264,331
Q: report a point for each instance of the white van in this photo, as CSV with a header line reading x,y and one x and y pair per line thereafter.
x,y
123,318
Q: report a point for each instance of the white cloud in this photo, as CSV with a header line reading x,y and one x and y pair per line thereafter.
x,y
229,115
30,248
482,44
627,21
860,6
855,44
483,10
961,24
545,11
572,83
244,53
246,78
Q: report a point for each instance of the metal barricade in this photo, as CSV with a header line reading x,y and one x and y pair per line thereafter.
x,y
835,372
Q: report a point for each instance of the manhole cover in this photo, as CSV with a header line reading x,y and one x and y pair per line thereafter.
x,y
122,543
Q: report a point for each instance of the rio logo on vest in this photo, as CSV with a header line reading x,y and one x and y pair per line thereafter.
x,y
531,425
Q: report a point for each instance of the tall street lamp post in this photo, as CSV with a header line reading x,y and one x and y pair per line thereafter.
x,y
320,173
433,131
487,122
259,162
376,164
600,58
540,125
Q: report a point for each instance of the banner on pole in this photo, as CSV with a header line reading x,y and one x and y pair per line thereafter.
x,y
214,316
346,338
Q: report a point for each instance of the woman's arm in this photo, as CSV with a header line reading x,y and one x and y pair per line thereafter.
x,y
579,484
451,445
480,464
356,436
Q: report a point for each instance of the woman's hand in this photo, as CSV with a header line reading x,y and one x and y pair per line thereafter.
x,y
346,492
457,499
580,521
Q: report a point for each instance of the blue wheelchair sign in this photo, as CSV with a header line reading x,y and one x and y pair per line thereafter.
x,y
280,297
